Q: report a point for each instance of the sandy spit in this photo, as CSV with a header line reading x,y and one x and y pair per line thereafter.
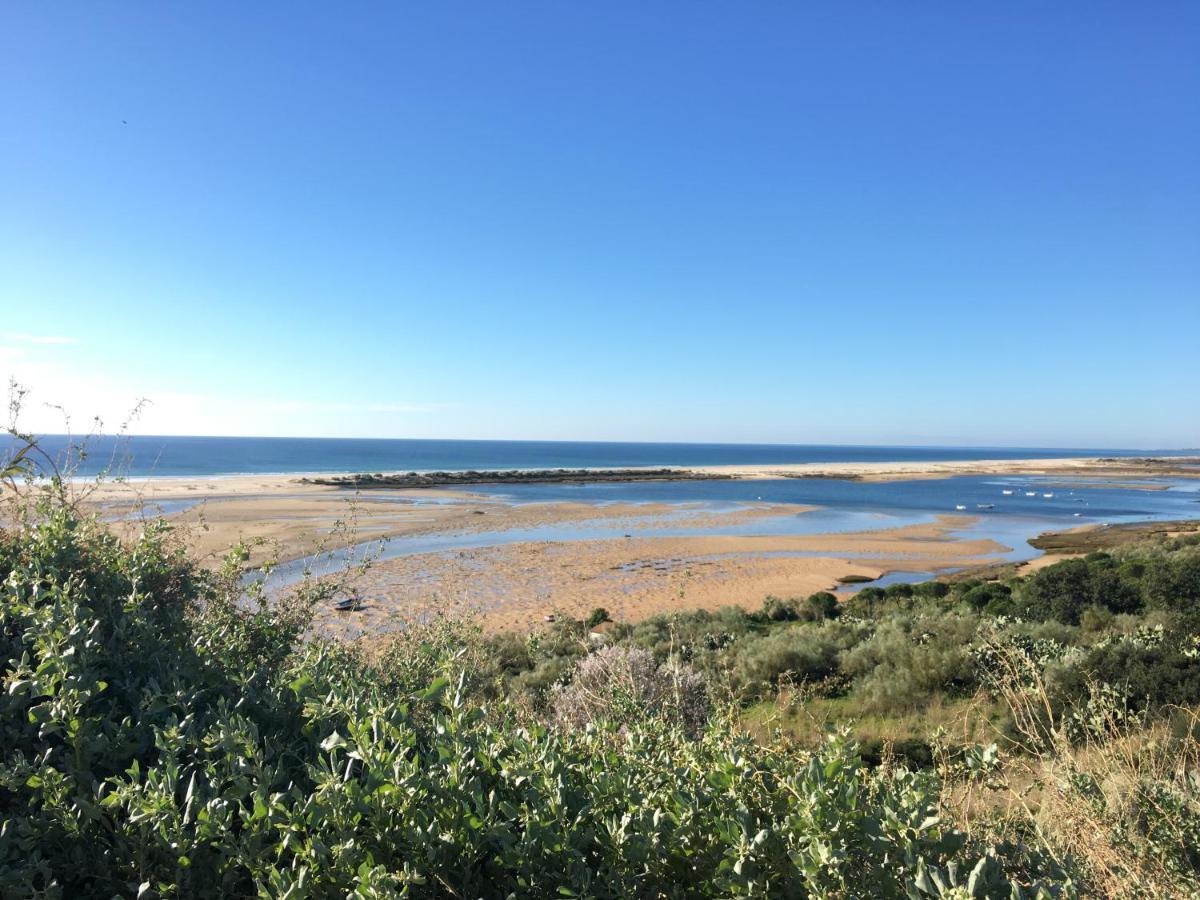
x,y
902,471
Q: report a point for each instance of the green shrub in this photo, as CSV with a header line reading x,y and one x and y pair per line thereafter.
x,y
163,737
906,660
1064,590
867,603
1096,618
933,590
796,652
1173,583
1060,592
819,607
598,616
1151,668
776,609
992,596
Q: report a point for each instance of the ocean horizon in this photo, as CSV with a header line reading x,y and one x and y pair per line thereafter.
x,y
148,456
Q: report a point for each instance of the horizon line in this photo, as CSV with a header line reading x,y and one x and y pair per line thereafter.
x,y
940,446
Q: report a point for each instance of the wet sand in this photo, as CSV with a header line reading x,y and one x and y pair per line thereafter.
x,y
293,517
286,520
515,586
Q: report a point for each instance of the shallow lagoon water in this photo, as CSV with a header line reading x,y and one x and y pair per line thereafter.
x,y
844,506
149,510
1104,499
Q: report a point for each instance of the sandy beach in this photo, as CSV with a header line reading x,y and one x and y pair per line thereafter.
x,y
285,519
632,574
290,516
514,587
1078,467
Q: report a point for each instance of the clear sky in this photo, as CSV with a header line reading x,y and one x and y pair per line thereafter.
x,y
800,222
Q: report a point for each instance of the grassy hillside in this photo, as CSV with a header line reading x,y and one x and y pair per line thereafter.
x,y
165,735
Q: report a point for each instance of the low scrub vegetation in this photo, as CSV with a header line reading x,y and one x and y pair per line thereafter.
x,y
166,733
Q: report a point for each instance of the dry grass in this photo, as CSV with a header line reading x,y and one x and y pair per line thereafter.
x,y
1112,795
807,719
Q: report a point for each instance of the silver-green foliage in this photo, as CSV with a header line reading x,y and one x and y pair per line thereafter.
x,y
160,737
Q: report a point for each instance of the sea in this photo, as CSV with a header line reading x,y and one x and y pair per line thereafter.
x,y
144,456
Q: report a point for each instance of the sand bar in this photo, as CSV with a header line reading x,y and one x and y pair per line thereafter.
x,y
633,575
288,520
515,586
1103,467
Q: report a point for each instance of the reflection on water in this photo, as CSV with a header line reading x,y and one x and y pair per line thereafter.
x,y
149,509
922,495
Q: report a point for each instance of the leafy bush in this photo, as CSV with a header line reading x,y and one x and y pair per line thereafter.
x,y
798,653
1173,583
814,608
1061,591
776,609
907,659
1064,590
598,616
164,737
820,606
933,590
868,603
1150,669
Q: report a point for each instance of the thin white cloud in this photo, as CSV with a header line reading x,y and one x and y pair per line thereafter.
x,y
39,338
62,392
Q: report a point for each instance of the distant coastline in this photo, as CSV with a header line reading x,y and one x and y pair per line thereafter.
x,y
512,476
1133,468
145,456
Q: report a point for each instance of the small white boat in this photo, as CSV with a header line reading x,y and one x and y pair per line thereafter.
x,y
1077,515
985,505
1006,493
960,506
1047,496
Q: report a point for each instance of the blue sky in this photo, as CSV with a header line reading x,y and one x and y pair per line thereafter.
x,y
842,222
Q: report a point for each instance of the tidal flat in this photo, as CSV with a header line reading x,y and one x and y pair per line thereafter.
x,y
514,553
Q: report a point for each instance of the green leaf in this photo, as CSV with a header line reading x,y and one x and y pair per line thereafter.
x,y
436,689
